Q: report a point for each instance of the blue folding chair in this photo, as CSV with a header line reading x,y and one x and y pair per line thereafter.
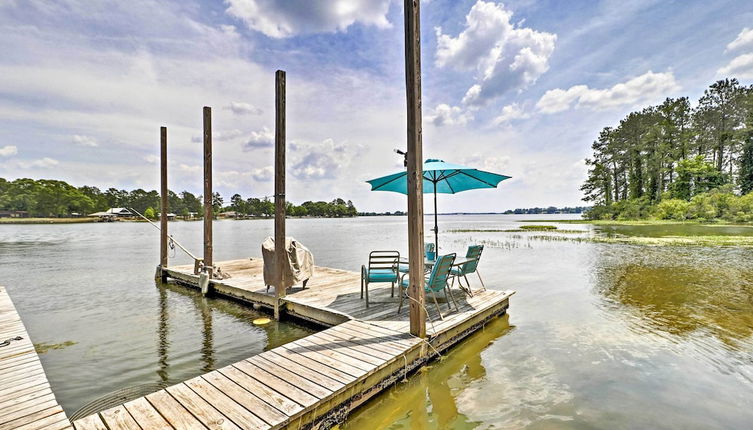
x,y
472,256
436,281
383,267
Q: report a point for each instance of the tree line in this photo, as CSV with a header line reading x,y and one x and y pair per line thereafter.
x,y
677,161
546,210
53,198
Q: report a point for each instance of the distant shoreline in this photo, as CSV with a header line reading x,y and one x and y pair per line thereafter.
x,y
83,220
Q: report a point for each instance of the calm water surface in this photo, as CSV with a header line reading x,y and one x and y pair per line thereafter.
x,y
597,336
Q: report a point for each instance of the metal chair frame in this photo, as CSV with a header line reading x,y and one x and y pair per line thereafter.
x,y
437,280
469,267
379,260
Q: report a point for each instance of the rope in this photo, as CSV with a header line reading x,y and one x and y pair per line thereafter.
x,y
7,342
441,357
405,368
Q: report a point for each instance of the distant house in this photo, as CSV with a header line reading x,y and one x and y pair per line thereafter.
x,y
228,214
170,216
113,213
120,212
13,214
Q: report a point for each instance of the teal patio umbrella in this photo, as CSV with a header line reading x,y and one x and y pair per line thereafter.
x,y
440,177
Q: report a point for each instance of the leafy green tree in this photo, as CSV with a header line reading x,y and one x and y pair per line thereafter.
x,y
696,176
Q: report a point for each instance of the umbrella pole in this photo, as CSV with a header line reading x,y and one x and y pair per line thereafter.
x,y
436,229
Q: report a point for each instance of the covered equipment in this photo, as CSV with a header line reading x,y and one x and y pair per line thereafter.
x,y
298,269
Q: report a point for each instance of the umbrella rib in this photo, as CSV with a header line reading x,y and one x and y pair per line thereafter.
x,y
390,181
478,179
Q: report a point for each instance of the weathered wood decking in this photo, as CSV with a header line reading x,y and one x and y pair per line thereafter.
x,y
26,400
313,382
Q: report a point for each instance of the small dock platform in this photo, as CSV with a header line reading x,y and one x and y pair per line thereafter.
x,y
313,382
26,400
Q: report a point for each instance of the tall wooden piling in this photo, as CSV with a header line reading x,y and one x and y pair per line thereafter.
x,y
415,168
163,200
208,212
280,251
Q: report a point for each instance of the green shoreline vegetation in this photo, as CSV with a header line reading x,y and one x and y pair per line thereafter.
x,y
46,201
677,162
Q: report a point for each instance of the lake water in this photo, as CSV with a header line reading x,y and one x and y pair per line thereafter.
x,y
598,335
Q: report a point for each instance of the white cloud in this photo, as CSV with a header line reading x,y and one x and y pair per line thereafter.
x,y
445,114
263,174
220,136
280,19
151,159
490,163
740,67
241,108
264,138
84,140
505,56
744,40
42,163
8,150
327,160
190,169
645,88
511,112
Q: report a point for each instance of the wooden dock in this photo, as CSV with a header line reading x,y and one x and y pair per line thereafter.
x,y
26,400
313,382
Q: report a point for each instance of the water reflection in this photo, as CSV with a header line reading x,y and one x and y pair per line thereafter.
x,y
430,399
162,334
207,338
682,293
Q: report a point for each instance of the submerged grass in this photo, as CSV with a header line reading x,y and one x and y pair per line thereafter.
x,y
538,227
707,241
639,222
42,348
512,230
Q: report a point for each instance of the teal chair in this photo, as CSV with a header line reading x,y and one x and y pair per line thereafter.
x,y
436,281
428,252
383,267
473,256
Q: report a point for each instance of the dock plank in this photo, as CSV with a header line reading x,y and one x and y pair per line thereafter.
x,y
201,409
172,411
146,416
118,418
226,405
26,400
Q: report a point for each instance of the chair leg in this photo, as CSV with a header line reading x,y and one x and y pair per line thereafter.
x,y
447,299
434,296
470,291
366,289
392,294
457,309
401,301
480,280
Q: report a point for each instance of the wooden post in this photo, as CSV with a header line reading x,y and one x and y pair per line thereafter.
x,y
415,168
280,251
208,213
163,201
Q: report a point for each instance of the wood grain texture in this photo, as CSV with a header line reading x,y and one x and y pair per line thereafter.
x,y
280,251
208,210
26,400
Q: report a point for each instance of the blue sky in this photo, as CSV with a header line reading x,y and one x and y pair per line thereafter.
x,y
520,88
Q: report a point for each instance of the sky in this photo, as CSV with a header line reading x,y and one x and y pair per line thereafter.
x,y
520,88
